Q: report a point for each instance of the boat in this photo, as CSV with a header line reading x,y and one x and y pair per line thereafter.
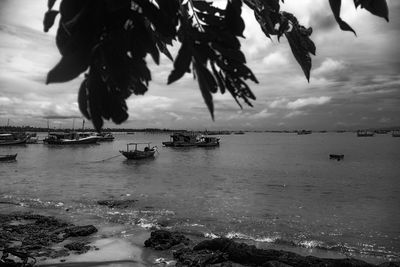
x,y
73,138
365,133
11,139
337,157
396,133
135,153
303,132
182,140
32,138
8,157
208,141
105,137
239,132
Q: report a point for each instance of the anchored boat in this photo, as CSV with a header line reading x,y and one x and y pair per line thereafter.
x,y
208,141
70,139
182,140
8,157
11,139
136,153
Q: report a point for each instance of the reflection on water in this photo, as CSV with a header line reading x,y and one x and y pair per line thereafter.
x,y
271,189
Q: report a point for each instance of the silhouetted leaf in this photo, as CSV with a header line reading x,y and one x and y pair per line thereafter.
x,y
233,17
68,68
205,84
49,18
182,63
50,4
377,7
335,6
83,99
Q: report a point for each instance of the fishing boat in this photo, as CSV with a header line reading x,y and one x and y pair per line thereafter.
x,y
337,157
208,141
303,132
396,133
8,157
11,139
182,140
103,137
73,138
364,133
136,153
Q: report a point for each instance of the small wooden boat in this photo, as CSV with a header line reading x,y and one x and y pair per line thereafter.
x,y
135,153
8,157
337,157
208,141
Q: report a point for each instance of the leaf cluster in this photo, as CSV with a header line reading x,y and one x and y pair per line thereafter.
x,y
109,40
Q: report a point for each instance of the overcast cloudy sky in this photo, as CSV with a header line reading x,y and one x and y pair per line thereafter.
x,y
355,81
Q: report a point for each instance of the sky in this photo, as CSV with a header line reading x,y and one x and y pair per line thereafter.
x,y
355,81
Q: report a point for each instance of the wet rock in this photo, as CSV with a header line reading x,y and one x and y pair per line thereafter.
x,y
80,230
250,255
30,236
226,252
161,240
117,203
275,264
188,257
390,264
80,247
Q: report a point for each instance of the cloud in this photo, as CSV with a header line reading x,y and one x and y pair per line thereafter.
x,y
310,101
276,59
295,114
329,66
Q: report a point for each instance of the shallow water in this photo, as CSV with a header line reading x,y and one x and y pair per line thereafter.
x,y
273,190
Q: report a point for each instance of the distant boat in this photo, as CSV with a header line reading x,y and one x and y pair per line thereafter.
x,y
364,133
396,133
8,157
302,132
106,137
11,139
70,139
130,133
135,153
208,141
337,157
182,140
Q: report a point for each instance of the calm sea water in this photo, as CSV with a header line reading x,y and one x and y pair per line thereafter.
x,y
273,190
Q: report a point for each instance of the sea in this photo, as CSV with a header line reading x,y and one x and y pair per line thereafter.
x,y
271,190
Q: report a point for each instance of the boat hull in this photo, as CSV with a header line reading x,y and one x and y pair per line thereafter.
x,y
138,154
13,142
82,141
8,157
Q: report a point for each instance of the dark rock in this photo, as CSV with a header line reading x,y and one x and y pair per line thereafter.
x,y
161,240
250,255
115,203
188,257
390,264
80,230
28,235
275,264
80,247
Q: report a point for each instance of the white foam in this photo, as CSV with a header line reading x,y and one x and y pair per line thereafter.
x,y
110,249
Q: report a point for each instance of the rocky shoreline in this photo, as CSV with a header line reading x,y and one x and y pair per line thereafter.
x,y
226,252
27,239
